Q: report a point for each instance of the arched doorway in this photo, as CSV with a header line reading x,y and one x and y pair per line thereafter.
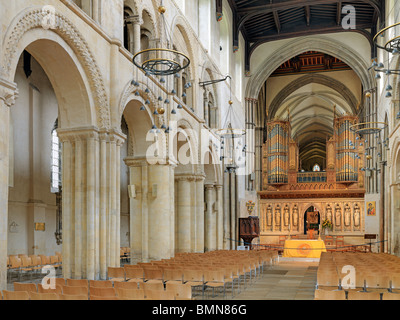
x,y
312,219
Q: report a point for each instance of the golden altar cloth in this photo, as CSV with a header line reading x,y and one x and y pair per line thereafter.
x,y
303,248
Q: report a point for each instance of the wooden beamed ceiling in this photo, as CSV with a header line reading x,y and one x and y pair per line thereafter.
x,y
262,21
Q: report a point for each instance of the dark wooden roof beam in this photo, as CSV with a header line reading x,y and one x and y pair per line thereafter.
x,y
308,15
277,21
288,4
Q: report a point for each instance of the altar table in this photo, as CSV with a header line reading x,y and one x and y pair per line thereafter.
x,y
303,248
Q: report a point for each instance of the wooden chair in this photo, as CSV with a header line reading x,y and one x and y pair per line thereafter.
x,y
173,275
134,274
159,295
181,291
77,291
26,265
358,295
327,280
321,294
78,283
116,274
15,295
57,290
153,275
390,296
329,240
340,242
130,294
28,287
60,282
127,285
194,278
44,296
377,282
151,286
102,292
215,279
100,284
394,282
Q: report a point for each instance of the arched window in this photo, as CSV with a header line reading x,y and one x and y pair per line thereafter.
x,y
55,160
316,168
212,113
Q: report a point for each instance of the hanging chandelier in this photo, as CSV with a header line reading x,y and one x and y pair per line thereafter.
x,y
231,145
164,64
391,46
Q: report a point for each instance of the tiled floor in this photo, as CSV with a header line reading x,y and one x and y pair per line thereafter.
x,y
289,279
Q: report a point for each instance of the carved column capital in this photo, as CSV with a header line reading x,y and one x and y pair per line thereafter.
x,y
8,92
134,20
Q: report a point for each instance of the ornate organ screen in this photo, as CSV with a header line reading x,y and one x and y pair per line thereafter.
x,y
346,152
278,152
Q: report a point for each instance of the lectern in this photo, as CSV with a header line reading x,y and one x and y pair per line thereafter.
x,y
249,228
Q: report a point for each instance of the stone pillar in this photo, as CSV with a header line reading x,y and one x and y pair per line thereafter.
x,y
200,213
90,235
8,94
220,217
183,223
210,230
151,209
227,206
134,28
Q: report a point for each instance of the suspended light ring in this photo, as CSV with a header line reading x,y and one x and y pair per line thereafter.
x,y
160,66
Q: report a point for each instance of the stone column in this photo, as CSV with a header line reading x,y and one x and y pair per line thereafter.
x,y
151,209
220,217
183,223
90,243
210,224
8,94
200,213
227,206
134,25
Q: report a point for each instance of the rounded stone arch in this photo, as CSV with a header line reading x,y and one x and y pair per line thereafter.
x,y
180,24
312,78
81,92
212,165
395,160
129,94
310,43
134,5
396,95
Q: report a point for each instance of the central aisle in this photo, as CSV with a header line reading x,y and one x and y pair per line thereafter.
x,y
287,280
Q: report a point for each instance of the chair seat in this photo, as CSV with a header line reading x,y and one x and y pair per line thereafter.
x,y
154,281
173,281
135,280
215,284
117,279
194,283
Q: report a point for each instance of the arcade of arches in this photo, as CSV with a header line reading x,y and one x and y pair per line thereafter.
x,y
76,148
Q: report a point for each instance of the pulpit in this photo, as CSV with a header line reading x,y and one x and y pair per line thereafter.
x,y
249,228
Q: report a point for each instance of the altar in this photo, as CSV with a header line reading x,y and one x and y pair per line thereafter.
x,y
303,248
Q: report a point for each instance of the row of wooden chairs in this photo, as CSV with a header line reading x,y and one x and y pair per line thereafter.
x,y
31,264
98,290
321,294
195,269
359,272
